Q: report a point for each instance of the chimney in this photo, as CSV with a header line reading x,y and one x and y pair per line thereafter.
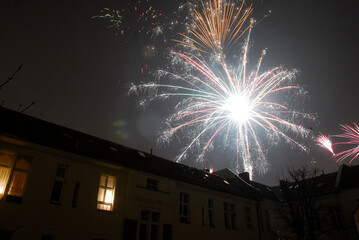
x,y
244,176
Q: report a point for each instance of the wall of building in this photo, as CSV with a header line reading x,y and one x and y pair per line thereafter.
x,y
36,216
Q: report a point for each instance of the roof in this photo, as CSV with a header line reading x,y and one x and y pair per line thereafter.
x,y
26,128
324,184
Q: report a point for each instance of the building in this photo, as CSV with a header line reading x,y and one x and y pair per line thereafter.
x,y
57,183
315,205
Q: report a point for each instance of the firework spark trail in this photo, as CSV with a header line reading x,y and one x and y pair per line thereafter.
x,y
325,142
351,134
217,26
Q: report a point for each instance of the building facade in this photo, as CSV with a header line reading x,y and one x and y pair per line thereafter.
x,y
57,183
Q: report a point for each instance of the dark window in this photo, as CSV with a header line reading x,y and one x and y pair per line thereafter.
x,y
203,218
152,184
58,184
226,215
248,217
76,195
129,229
167,232
5,234
184,207
149,225
211,212
266,215
47,237
233,216
154,225
143,224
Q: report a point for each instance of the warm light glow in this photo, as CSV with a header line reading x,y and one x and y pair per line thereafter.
x,y
109,196
106,193
238,108
5,168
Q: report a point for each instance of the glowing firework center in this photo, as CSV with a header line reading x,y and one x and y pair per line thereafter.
x,y
238,107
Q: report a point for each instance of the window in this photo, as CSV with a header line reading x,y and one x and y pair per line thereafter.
x,y
58,186
149,225
106,193
230,215
267,219
152,184
76,195
248,217
211,212
203,219
335,215
5,234
13,168
184,207
226,215
6,161
47,237
233,216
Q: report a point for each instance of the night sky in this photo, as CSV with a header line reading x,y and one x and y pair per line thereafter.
x,y
78,71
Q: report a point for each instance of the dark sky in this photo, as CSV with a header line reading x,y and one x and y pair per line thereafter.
x,y
77,70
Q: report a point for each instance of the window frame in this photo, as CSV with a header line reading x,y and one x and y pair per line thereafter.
x,y
11,178
103,202
184,218
61,179
248,217
152,184
211,221
148,224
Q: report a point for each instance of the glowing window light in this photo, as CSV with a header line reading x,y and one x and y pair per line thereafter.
x,y
6,161
106,193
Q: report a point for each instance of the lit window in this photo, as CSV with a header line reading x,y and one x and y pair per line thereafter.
x,y
106,193
6,161
184,207
58,186
211,212
152,184
248,217
15,170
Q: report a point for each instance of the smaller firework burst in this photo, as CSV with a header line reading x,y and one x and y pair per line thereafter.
x,y
113,17
351,136
217,25
325,142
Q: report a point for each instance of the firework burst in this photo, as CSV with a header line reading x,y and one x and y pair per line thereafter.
x,y
351,136
218,102
218,25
